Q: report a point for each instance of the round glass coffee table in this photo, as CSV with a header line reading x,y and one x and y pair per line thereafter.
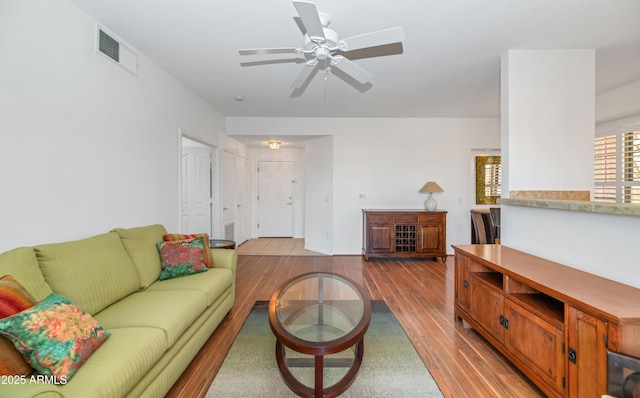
x,y
319,320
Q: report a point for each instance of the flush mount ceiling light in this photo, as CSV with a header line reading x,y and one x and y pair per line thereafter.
x,y
274,144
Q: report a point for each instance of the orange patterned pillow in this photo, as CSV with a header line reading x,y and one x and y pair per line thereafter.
x,y
208,259
11,361
14,298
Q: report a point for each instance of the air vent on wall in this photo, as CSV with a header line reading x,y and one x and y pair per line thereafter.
x,y
109,46
230,231
116,51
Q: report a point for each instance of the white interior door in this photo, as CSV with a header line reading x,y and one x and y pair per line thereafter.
x,y
228,186
195,190
243,230
275,199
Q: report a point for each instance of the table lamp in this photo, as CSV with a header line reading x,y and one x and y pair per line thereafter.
x,y
431,204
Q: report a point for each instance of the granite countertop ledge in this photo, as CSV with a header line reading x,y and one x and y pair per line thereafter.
x,y
575,205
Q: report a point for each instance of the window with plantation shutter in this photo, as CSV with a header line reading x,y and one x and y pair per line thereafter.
x,y
631,167
488,179
492,179
605,174
617,168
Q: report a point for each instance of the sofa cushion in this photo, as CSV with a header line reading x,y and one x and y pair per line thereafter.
x,y
54,336
14,298
92,273
208,259
171,311
140,243
213,283
181,257
22,264
112,371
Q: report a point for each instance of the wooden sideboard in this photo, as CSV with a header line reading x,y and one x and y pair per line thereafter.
x,y
555,323
404,233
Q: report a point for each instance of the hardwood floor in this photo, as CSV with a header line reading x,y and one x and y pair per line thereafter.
x,y
275,247
420,294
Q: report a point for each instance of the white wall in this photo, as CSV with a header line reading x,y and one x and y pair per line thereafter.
x,y
550,113
389,160
602,244
618,103
319,195
85,146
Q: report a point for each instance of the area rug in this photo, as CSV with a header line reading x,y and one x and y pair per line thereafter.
x,y
391,366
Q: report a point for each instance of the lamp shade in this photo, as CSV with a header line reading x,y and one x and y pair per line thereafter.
x,y
431,186
431,204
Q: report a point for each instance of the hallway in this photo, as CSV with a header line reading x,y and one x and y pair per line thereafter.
x,y
275,247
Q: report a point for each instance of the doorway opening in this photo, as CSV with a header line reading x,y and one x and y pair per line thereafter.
x,y
197,177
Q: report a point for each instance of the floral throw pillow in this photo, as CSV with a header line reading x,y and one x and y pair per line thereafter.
x,y
208,258
55,337
181,257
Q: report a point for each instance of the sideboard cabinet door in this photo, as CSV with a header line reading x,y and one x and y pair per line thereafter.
x,y
537,343
381,238
587,355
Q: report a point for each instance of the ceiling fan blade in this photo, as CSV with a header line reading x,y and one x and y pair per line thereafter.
x,y
352,69
263,51
273,62
373,39
310,18
303,75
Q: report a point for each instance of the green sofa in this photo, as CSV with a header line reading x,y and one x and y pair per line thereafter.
x,y
157,327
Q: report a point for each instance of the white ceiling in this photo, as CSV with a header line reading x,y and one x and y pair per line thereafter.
x,y
448,65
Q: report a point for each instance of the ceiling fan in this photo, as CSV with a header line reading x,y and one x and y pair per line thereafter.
x,y
321,46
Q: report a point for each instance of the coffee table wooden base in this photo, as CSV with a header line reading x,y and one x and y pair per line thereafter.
x,y
319,363
319,314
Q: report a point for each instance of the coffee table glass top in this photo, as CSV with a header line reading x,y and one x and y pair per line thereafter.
x,y
319,307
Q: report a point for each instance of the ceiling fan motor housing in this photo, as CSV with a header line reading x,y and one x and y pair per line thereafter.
x,y
330,41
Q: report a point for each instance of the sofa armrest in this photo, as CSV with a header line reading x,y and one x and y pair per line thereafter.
x,y
225,258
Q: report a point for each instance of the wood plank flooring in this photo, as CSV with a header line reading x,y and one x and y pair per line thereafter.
x,y
275,247
420,294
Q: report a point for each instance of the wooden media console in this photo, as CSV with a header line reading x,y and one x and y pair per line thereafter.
x,y
555,323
